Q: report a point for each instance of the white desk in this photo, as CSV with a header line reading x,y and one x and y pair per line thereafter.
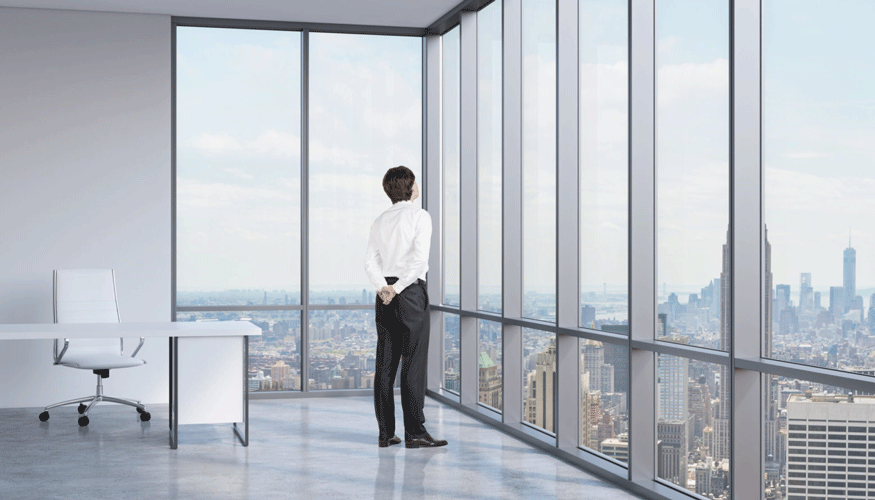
x,y
212,352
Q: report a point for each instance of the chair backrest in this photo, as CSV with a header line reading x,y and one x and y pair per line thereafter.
x,y
87,296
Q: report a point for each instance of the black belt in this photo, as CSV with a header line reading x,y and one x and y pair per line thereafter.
x,y
392,279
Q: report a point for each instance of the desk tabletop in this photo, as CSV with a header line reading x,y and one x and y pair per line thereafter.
x,y
34,331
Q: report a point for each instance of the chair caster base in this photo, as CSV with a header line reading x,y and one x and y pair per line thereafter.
x,y
44,416
82,408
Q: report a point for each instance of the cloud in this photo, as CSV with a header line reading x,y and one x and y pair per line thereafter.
x,y
668,43
236,172
690,82
195,195
805,154
214,144
246,234
278,144
267,144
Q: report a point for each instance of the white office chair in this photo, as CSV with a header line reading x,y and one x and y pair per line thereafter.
x,y
89,296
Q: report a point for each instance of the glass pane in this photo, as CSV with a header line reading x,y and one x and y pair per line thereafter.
x,y
489,154
816,441
604,392
818,103
275,356
365,118
238,169
693,169
604,163
450,159
692,428
452,354
343,349
539,158
539,377
489,362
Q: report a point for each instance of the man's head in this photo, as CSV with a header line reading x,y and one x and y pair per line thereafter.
x,y
399,183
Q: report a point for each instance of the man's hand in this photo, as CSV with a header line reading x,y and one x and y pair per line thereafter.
x,y
387,294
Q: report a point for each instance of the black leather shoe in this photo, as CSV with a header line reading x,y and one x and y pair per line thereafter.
x,y
387,442
424,441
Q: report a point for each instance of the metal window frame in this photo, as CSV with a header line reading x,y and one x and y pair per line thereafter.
x,y
443,206
305,306
468,297
477,203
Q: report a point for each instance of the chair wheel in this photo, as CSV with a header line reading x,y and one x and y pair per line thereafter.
x,y
83,421
145,416
44,416
82,408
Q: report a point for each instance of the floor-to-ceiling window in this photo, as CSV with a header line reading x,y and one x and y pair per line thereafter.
x,y
604,162
539,158
244,176
489,198
489,171
365,115
604,213
693,248
819,210
238,195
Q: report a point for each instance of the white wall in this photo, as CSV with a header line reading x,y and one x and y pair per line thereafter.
x,y
84,182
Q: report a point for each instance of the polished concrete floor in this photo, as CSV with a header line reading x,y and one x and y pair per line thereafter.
x,y
318,448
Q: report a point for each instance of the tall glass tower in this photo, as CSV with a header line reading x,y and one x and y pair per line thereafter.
x,y
850,276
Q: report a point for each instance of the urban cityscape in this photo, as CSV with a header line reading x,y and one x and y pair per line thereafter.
x,y
828,328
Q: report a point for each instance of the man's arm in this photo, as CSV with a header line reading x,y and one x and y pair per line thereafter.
x,y
374,263
421,246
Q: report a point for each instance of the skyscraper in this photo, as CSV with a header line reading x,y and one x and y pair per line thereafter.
x,y
673,425
601,375
618,357
539,399
782,299
721,418
806,294
771,422
490,381
809,418
872,314
850,276
837,301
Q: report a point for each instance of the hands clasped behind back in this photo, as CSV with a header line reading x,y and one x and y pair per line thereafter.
x,y
387,293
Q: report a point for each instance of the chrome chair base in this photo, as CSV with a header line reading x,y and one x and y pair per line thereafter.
x,y
93,400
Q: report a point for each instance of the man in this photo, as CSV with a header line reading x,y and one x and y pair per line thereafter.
x,y
396,263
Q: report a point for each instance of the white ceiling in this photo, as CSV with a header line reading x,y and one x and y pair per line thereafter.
x,y
407,13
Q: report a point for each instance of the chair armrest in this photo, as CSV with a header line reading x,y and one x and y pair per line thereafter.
x,y
142,341
60,356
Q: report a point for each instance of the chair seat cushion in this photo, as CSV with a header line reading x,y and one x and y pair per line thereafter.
x,y
100,361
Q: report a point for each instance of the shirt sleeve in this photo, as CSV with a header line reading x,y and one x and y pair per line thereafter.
x,y
374,263
418,263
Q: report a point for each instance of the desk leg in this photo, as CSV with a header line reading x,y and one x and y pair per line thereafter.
x,y
174,392
244,437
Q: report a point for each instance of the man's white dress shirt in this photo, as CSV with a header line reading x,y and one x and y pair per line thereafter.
x,y
398,246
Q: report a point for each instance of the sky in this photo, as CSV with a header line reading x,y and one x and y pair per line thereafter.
x,y
818,126
239,146
238,165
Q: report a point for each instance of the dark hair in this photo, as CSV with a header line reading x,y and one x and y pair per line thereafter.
x,y
398,183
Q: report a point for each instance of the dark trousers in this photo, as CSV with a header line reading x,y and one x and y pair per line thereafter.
x,y
402,335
